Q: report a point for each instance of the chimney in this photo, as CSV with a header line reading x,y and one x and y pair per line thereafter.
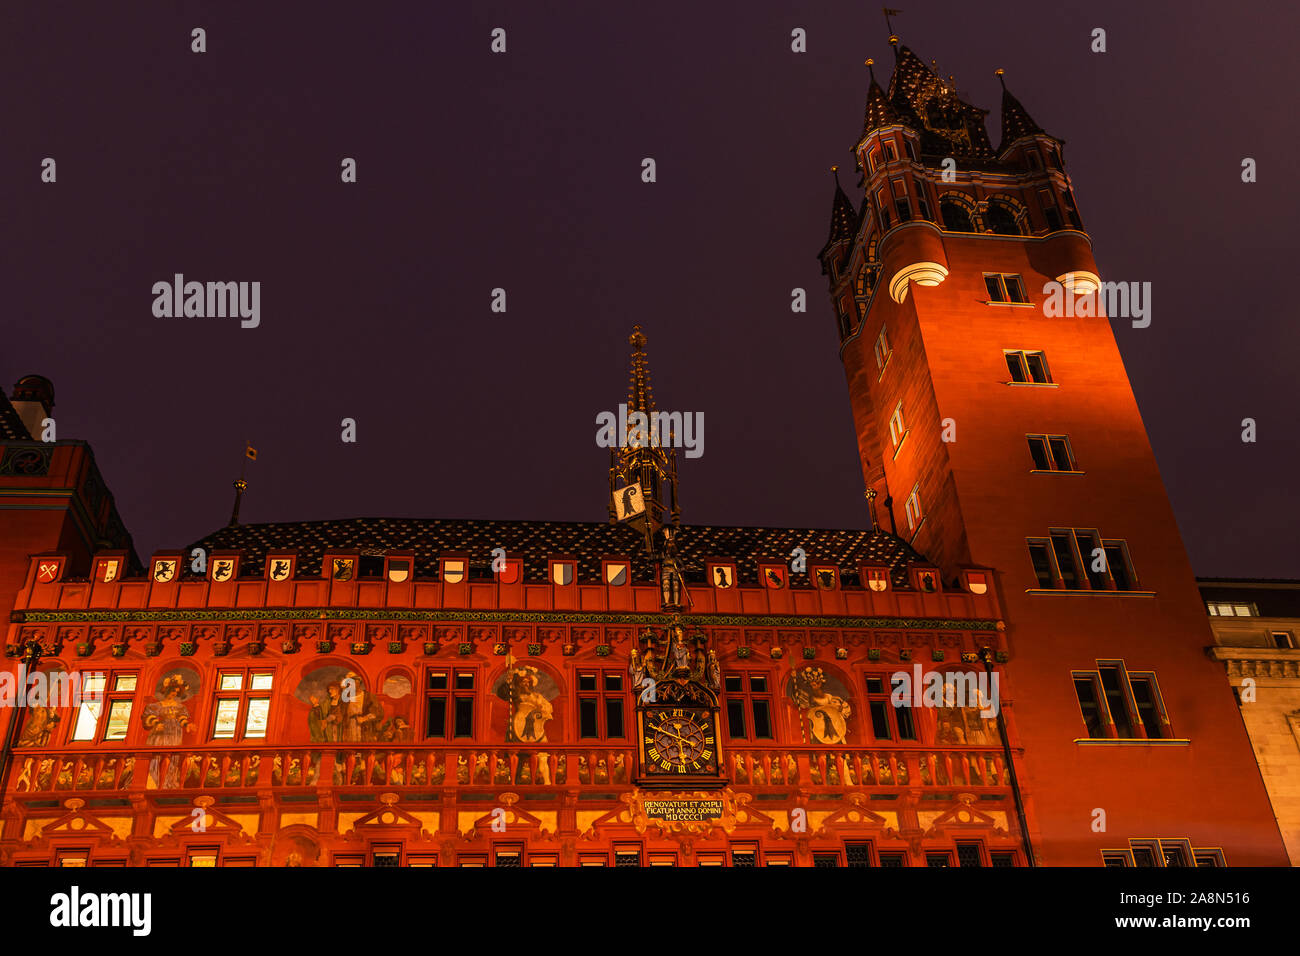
x,y
33,400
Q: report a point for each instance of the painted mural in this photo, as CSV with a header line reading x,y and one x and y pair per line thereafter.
x,y
823,703
342,707
527,692
167,718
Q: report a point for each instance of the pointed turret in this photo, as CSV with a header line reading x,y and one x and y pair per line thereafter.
x,y
844,219
1016,121
878,113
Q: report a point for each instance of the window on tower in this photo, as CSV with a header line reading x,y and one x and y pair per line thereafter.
x,y
896,430
1078,559
1027,368
1120,705
914,513
955,216
1003,287
1001,220
1052,453
882,350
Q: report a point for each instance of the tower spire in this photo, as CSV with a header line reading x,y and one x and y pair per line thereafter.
x,y
1016,121
643,463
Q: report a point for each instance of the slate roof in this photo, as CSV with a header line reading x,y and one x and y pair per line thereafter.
x,y
537,541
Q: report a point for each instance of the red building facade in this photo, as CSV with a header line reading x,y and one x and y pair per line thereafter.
x,y
394,692
1005,430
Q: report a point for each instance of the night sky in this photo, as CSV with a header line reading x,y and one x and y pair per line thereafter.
x,y
522,171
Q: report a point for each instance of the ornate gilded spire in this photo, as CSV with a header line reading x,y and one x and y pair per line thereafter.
x,y
640,393
645,455
844,220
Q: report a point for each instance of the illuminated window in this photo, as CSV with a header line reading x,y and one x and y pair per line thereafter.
x,y
243,704
914,514
205,857
748,701
601,702
882,350
896,430
1004,288
1226,609
111,693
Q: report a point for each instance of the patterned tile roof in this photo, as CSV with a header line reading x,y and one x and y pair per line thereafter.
x,y
536,541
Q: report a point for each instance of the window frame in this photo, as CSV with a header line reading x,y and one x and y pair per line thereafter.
x,y
1022,357
1045,443
603,697
246,695
1004,288
748,698
105,698
912,507
1133,716
450,695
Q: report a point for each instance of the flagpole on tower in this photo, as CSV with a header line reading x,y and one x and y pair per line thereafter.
x,y
250,454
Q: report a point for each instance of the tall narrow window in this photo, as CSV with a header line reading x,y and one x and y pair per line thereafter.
x,y
914,514
1146,694
1113,687
1119,565
896,429
882,350
601,703
436,704
1085,688
1063,551
463,704
749,706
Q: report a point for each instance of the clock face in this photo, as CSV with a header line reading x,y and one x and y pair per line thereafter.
x,y
681,741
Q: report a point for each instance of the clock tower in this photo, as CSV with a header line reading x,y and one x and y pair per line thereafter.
x,y
997,429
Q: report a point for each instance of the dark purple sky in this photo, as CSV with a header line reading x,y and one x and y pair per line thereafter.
x,y
523,171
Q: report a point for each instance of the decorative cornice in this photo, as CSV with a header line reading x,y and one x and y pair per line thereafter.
x,y
399,614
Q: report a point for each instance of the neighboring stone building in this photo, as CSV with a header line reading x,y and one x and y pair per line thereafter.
x,y
1256,626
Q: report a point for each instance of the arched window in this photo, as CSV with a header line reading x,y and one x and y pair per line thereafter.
x,y
1001,220
956,218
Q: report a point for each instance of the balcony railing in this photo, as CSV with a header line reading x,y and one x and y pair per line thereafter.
x,y
137,770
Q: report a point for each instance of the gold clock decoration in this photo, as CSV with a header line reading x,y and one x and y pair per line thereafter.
x,y
679,740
